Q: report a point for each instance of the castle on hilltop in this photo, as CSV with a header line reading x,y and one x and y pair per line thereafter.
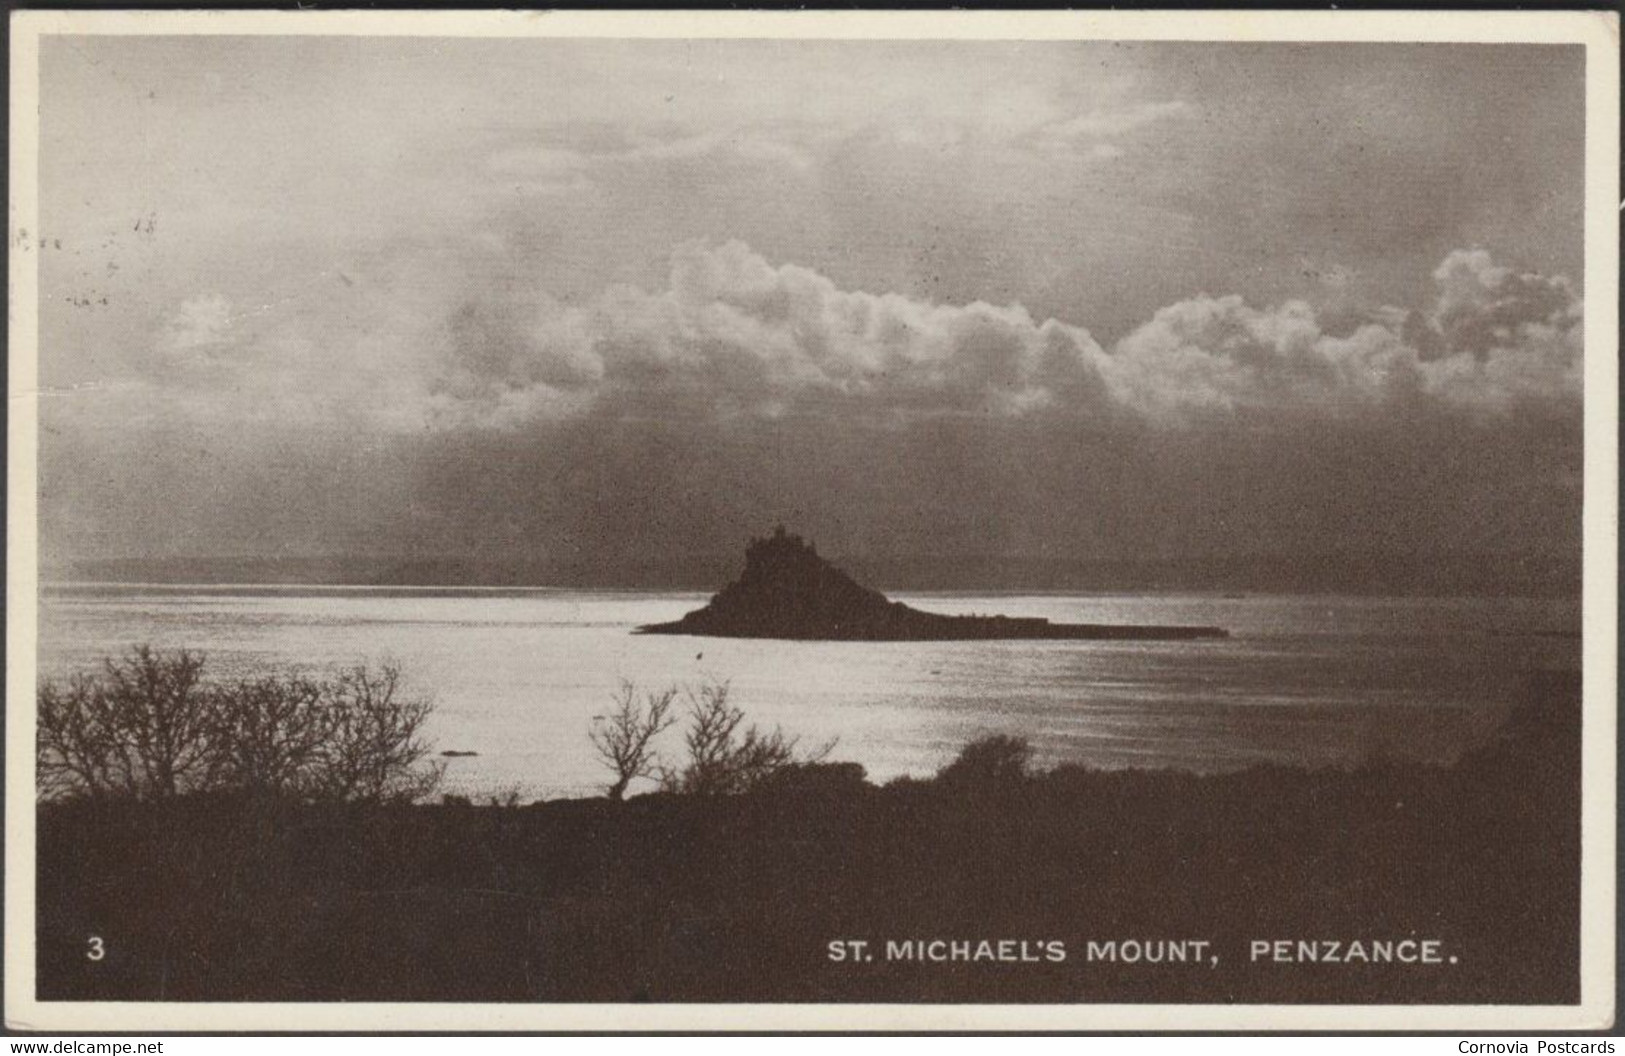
x,y
781,544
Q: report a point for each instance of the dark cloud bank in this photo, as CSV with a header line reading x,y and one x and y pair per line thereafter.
x,y
637,437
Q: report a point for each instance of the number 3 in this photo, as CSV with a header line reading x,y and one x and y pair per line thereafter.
x,y
96,951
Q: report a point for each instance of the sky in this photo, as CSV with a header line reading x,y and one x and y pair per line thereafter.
x,y
620,299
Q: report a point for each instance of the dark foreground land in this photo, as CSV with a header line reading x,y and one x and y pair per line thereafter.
x,y
737,898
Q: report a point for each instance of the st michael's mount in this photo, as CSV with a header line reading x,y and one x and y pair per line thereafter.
x,y
788,591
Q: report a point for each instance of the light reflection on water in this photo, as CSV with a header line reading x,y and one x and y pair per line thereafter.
x,y
517,675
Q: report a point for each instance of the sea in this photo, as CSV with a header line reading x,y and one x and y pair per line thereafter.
x,y
517,675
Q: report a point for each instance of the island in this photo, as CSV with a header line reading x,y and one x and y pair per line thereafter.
x,y
788,591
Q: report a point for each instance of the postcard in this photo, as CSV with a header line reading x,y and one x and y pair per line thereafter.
x,y
812,521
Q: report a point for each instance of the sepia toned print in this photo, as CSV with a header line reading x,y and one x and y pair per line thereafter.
x,y
720,520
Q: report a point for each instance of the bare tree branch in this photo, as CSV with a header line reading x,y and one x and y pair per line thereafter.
x,y
722,760
623,738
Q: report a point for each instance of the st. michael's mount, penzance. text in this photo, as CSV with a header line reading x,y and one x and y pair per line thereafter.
x,y
1411,951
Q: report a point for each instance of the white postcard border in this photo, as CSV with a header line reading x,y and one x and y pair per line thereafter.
x,y
1597,31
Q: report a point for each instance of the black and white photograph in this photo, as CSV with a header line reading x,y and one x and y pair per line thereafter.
x,y
697,519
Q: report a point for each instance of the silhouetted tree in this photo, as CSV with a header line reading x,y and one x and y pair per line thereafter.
x,y
624,738
373,750
74,752
721,759
270,734
147,726
141,728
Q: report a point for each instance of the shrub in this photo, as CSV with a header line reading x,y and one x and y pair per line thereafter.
x,y
817,780
991,761
73,745
721,759
270,734
141,729
148,727
624,738
373,750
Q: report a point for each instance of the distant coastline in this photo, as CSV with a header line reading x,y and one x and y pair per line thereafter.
x,y
1345,573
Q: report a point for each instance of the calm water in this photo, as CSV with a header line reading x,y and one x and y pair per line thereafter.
x,y
518,675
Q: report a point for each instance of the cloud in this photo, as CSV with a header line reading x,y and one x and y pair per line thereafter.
x,y
196,326
735,335
967,299
536,162
563,169
741,146
1494,341
1102,123
740,390
1007,119
1484,307
1090,135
